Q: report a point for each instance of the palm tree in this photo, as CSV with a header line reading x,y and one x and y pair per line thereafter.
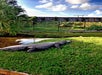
x,y
10,16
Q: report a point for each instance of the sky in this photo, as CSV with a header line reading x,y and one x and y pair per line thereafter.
x,y
62,8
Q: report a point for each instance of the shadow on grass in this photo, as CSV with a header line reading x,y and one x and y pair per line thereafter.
x,y
82,57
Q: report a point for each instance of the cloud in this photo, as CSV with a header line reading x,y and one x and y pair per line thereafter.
x,y
36,12
76,1
74,6
46,5
52,7
30,11
85,6
45,1
59,7
96,13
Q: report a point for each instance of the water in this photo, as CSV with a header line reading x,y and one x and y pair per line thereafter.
x,y
9,41
30,40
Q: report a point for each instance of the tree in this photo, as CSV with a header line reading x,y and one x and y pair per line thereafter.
x,y
33,21
10,16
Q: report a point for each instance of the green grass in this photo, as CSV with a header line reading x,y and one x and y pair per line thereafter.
x,y
45,27
82,57
52,26
50,29
64,34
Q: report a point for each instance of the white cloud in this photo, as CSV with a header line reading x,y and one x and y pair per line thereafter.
x,y
33,12
76,1
52,7
85,6
74,6
96,13
59,7
45,1
36,12
46,5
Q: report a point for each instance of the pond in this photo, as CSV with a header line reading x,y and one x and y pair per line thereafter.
x,y
9,41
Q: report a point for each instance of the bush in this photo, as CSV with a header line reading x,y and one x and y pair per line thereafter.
x,y
94,27
66,24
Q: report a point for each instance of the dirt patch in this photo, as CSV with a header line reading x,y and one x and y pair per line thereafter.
x,y
7,72
7,41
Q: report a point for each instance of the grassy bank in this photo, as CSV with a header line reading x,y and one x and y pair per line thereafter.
x,y
82,57
60,34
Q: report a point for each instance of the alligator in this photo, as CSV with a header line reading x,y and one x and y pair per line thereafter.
x,y
35,47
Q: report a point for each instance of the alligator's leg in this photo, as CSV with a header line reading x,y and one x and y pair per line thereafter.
x,y
57,45
31,49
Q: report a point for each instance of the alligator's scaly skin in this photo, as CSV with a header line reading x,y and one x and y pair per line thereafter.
x,y
35,47
44,46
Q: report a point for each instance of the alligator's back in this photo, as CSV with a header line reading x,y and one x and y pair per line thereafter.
x,y
44,46
35,47
14,48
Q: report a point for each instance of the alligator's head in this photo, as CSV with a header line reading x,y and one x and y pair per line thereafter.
x,y
68,41
64,42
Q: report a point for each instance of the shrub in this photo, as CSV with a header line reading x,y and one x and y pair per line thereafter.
x,y
66,24
94,27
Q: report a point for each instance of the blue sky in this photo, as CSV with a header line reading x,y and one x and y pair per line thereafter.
x,y
62,8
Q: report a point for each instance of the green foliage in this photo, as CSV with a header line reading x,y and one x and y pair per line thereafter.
x,y
78,23
65,34
66,24
10,16
82,57
94,27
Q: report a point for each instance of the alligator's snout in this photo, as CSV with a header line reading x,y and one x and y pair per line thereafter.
x,y
68,41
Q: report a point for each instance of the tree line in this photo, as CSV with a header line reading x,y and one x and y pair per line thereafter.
x,y
12,17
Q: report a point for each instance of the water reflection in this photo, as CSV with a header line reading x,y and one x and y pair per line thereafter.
x,y
9,41
30,40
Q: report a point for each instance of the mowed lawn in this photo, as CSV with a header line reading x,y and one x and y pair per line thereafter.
x,y
81,57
